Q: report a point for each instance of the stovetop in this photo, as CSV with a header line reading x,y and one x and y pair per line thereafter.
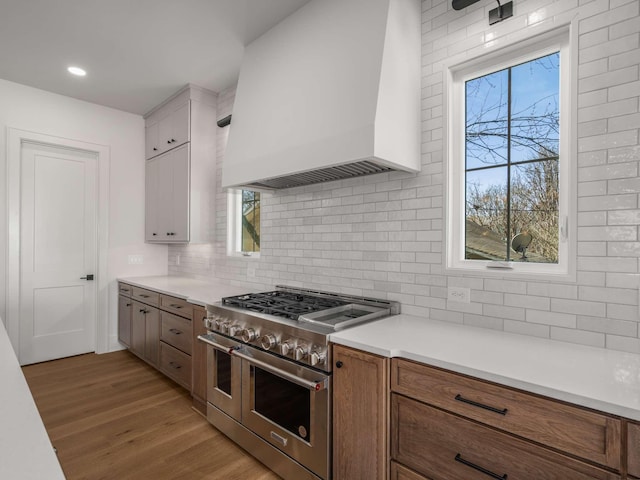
x,y
293,323
282,303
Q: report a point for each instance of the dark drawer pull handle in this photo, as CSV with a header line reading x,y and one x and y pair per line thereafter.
x,y
175,331
175,365
460,398
173,305
142,295
480,469
128,305
142,310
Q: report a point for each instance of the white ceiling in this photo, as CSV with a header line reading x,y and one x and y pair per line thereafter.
x,y
136,52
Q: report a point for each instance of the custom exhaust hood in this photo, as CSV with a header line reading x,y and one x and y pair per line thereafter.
x,y
331,92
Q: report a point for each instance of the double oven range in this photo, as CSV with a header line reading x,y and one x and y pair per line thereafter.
x,y
269,373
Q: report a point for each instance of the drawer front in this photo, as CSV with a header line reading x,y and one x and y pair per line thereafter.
x,y
175,364
145,296
400,472
575,430
124,289
633,449
176,331
442,446
176,305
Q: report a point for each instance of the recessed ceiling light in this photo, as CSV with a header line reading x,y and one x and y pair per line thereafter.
x,y
77,71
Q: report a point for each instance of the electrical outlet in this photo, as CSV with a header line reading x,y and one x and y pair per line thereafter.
x,y
136,259
459,294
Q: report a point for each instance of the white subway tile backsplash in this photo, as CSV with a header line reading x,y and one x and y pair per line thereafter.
x,y
383,235
578,336
552,319
524,328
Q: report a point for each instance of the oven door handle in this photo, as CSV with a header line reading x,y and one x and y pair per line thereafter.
x,y
215,345
314,386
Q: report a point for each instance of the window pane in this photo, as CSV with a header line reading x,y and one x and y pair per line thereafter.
x,y
486,120
534,210
250,241
486,214
512,163
535,111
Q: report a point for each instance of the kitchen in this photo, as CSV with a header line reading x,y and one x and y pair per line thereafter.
x,y
383,236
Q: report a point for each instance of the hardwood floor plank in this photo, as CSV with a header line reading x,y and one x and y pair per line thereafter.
x,y
113,417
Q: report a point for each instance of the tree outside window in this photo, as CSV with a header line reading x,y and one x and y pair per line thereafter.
x,y
250,240
512,124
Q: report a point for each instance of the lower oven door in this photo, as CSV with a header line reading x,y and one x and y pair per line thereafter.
x,y
288,405
223,375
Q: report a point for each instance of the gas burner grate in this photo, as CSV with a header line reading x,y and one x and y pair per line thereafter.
x,y
281,303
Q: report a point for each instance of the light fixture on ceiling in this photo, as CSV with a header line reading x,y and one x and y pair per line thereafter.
x,y
77,71
496,15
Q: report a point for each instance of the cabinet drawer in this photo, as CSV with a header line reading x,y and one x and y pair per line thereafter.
x,y
176,305
442,446
175,364
633,449
400,472
176,331
124,289
145,296
575,430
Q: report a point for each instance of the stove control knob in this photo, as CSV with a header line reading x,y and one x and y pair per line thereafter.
x,y
218,322
268,341
286,347
224,327
317,358
233,330
300,352
208,323
248,335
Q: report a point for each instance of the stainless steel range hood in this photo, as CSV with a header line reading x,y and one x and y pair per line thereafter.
x,y
331,92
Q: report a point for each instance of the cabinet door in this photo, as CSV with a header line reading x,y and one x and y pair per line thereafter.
x,y
199,362
138,328
181,124
360,413
633,449
152,335
172,204
174,127
124,320
151,197
152,142
179,224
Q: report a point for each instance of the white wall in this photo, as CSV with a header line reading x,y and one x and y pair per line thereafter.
x,y
383,235
38,111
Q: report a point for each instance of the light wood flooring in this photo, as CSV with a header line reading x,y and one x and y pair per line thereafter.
x,y
112,416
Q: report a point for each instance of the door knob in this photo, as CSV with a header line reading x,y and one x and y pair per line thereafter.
x,y
88,277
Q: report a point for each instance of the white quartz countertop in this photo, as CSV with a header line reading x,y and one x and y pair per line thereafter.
x,y
25,449
597,378
194,291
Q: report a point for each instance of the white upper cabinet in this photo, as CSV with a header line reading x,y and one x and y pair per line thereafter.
x,y
180,168
170,130
167,197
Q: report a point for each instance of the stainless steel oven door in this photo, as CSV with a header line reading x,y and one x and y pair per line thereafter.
x,y
223,375
288,405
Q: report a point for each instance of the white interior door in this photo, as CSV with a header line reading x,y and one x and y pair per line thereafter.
x,y
58,247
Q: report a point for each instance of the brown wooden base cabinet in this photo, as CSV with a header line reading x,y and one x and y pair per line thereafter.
x,y
447,426
360,415
633,449
159,328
